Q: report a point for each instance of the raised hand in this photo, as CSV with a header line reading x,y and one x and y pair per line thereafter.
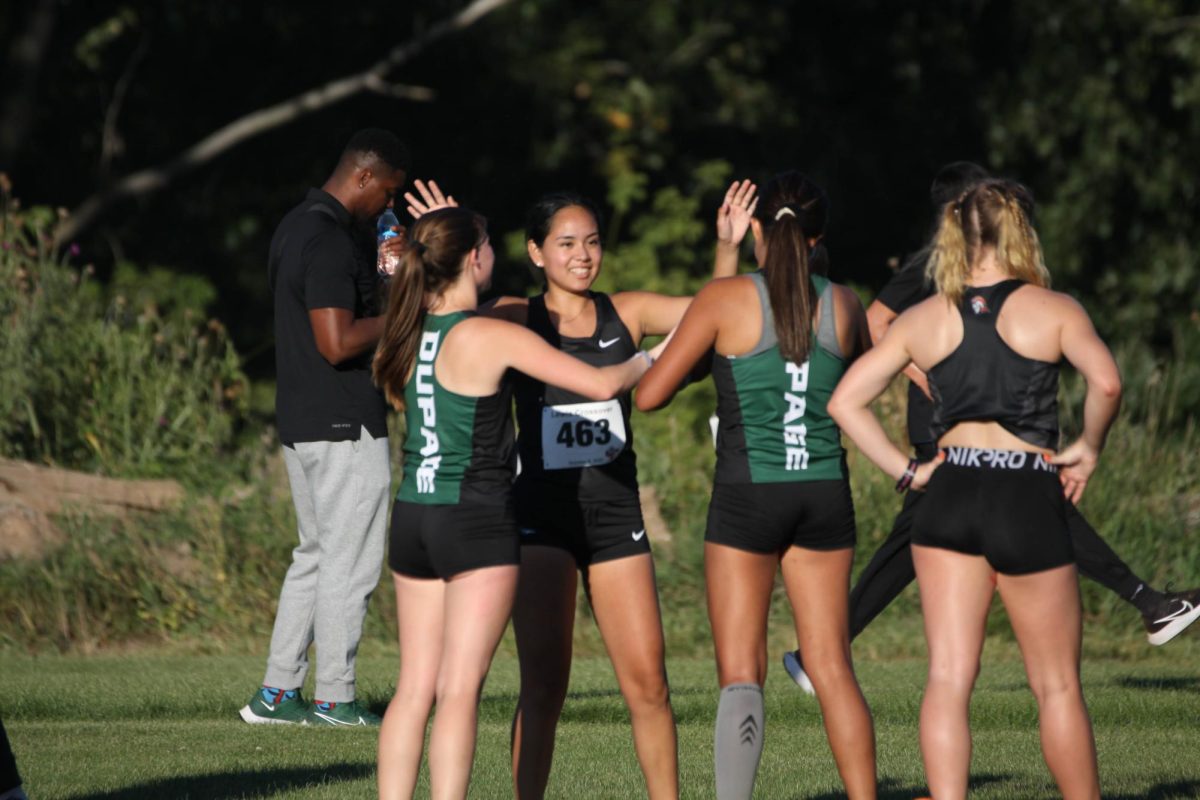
x,y
733,218
430,200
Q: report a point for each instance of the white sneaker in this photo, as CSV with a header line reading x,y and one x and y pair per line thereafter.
x,y
795,668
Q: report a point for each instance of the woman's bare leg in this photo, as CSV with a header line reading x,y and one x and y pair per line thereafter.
x,y
956,592
739,587
402,735
1050,647
625,599
477,608
818,586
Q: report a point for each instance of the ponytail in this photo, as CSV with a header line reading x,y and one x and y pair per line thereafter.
x,y
789,286
793,210
992,213
1018,245
948,268
439,244
402,324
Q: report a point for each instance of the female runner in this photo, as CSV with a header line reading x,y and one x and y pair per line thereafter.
x,y
453,548
577,503
994,516
782,338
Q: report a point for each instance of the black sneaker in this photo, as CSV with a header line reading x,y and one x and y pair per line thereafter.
x,y
1177,611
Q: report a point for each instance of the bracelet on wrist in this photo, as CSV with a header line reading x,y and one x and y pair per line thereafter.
x,y
906,479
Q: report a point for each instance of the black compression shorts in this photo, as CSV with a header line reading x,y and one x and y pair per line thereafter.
x,y
771,517
1005,505
591,531
440,541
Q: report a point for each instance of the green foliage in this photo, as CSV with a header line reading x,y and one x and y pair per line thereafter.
x,y
128,380
1101,114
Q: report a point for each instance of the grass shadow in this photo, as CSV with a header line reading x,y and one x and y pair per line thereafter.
x,y
1176,790
229,785
1191,683
892,789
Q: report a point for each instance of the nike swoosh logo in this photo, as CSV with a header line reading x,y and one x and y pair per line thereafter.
x,y
610,342
1186,607
268,706
637,537
333,721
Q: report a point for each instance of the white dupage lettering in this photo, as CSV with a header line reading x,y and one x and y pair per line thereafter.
x,y
431,460
795,431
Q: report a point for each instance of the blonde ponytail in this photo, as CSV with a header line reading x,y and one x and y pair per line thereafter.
x,y
992,213
947,267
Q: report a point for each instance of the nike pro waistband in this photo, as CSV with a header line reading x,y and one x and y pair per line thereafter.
x,y
987,458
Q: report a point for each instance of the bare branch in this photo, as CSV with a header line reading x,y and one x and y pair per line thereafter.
x,y
258,122
111,144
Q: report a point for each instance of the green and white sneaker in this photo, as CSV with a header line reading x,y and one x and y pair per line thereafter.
x,y
342,715
275,707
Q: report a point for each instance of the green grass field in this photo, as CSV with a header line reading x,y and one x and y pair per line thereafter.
x,y
158,724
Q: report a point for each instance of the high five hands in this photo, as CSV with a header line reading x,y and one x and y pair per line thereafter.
x,y
431,199
733,218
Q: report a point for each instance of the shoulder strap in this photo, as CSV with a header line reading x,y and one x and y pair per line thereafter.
x,y
766,338
1001,292
827,328
537,319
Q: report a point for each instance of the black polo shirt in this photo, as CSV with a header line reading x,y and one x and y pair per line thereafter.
x,y
315,262
907,287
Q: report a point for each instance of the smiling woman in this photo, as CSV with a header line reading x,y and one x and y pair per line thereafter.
x,y
577,501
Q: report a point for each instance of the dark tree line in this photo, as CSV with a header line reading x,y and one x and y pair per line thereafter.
x,y
648,105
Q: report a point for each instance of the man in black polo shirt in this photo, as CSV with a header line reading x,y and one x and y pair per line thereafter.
x,y
890,570
333,425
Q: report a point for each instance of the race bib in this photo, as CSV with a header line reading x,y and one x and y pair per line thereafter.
x,y
582,434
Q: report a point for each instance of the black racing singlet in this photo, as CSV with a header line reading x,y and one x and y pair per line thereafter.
x,y
457,448
567,441
985,380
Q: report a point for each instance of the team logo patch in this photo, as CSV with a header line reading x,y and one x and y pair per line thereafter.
x,y
979,305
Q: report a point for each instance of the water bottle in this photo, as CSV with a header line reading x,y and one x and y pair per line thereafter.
x,y
387,228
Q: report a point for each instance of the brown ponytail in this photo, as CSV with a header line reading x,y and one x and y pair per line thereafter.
x,y
793,210
992,213
439,244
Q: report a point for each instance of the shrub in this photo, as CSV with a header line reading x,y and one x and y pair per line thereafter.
x,y
127,384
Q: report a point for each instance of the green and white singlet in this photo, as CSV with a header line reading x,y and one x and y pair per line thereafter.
x,y
774,427
456,448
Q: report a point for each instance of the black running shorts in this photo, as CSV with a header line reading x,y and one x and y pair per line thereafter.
x,y
771,517
440,541
590,530
1005,505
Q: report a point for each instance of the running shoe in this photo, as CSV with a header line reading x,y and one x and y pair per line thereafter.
x,y
795,668
1177,611
342,715
274,707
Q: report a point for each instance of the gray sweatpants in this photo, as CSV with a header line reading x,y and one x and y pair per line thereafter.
x,y
340,490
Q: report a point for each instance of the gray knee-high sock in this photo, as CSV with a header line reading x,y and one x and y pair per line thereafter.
x,y
739,740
